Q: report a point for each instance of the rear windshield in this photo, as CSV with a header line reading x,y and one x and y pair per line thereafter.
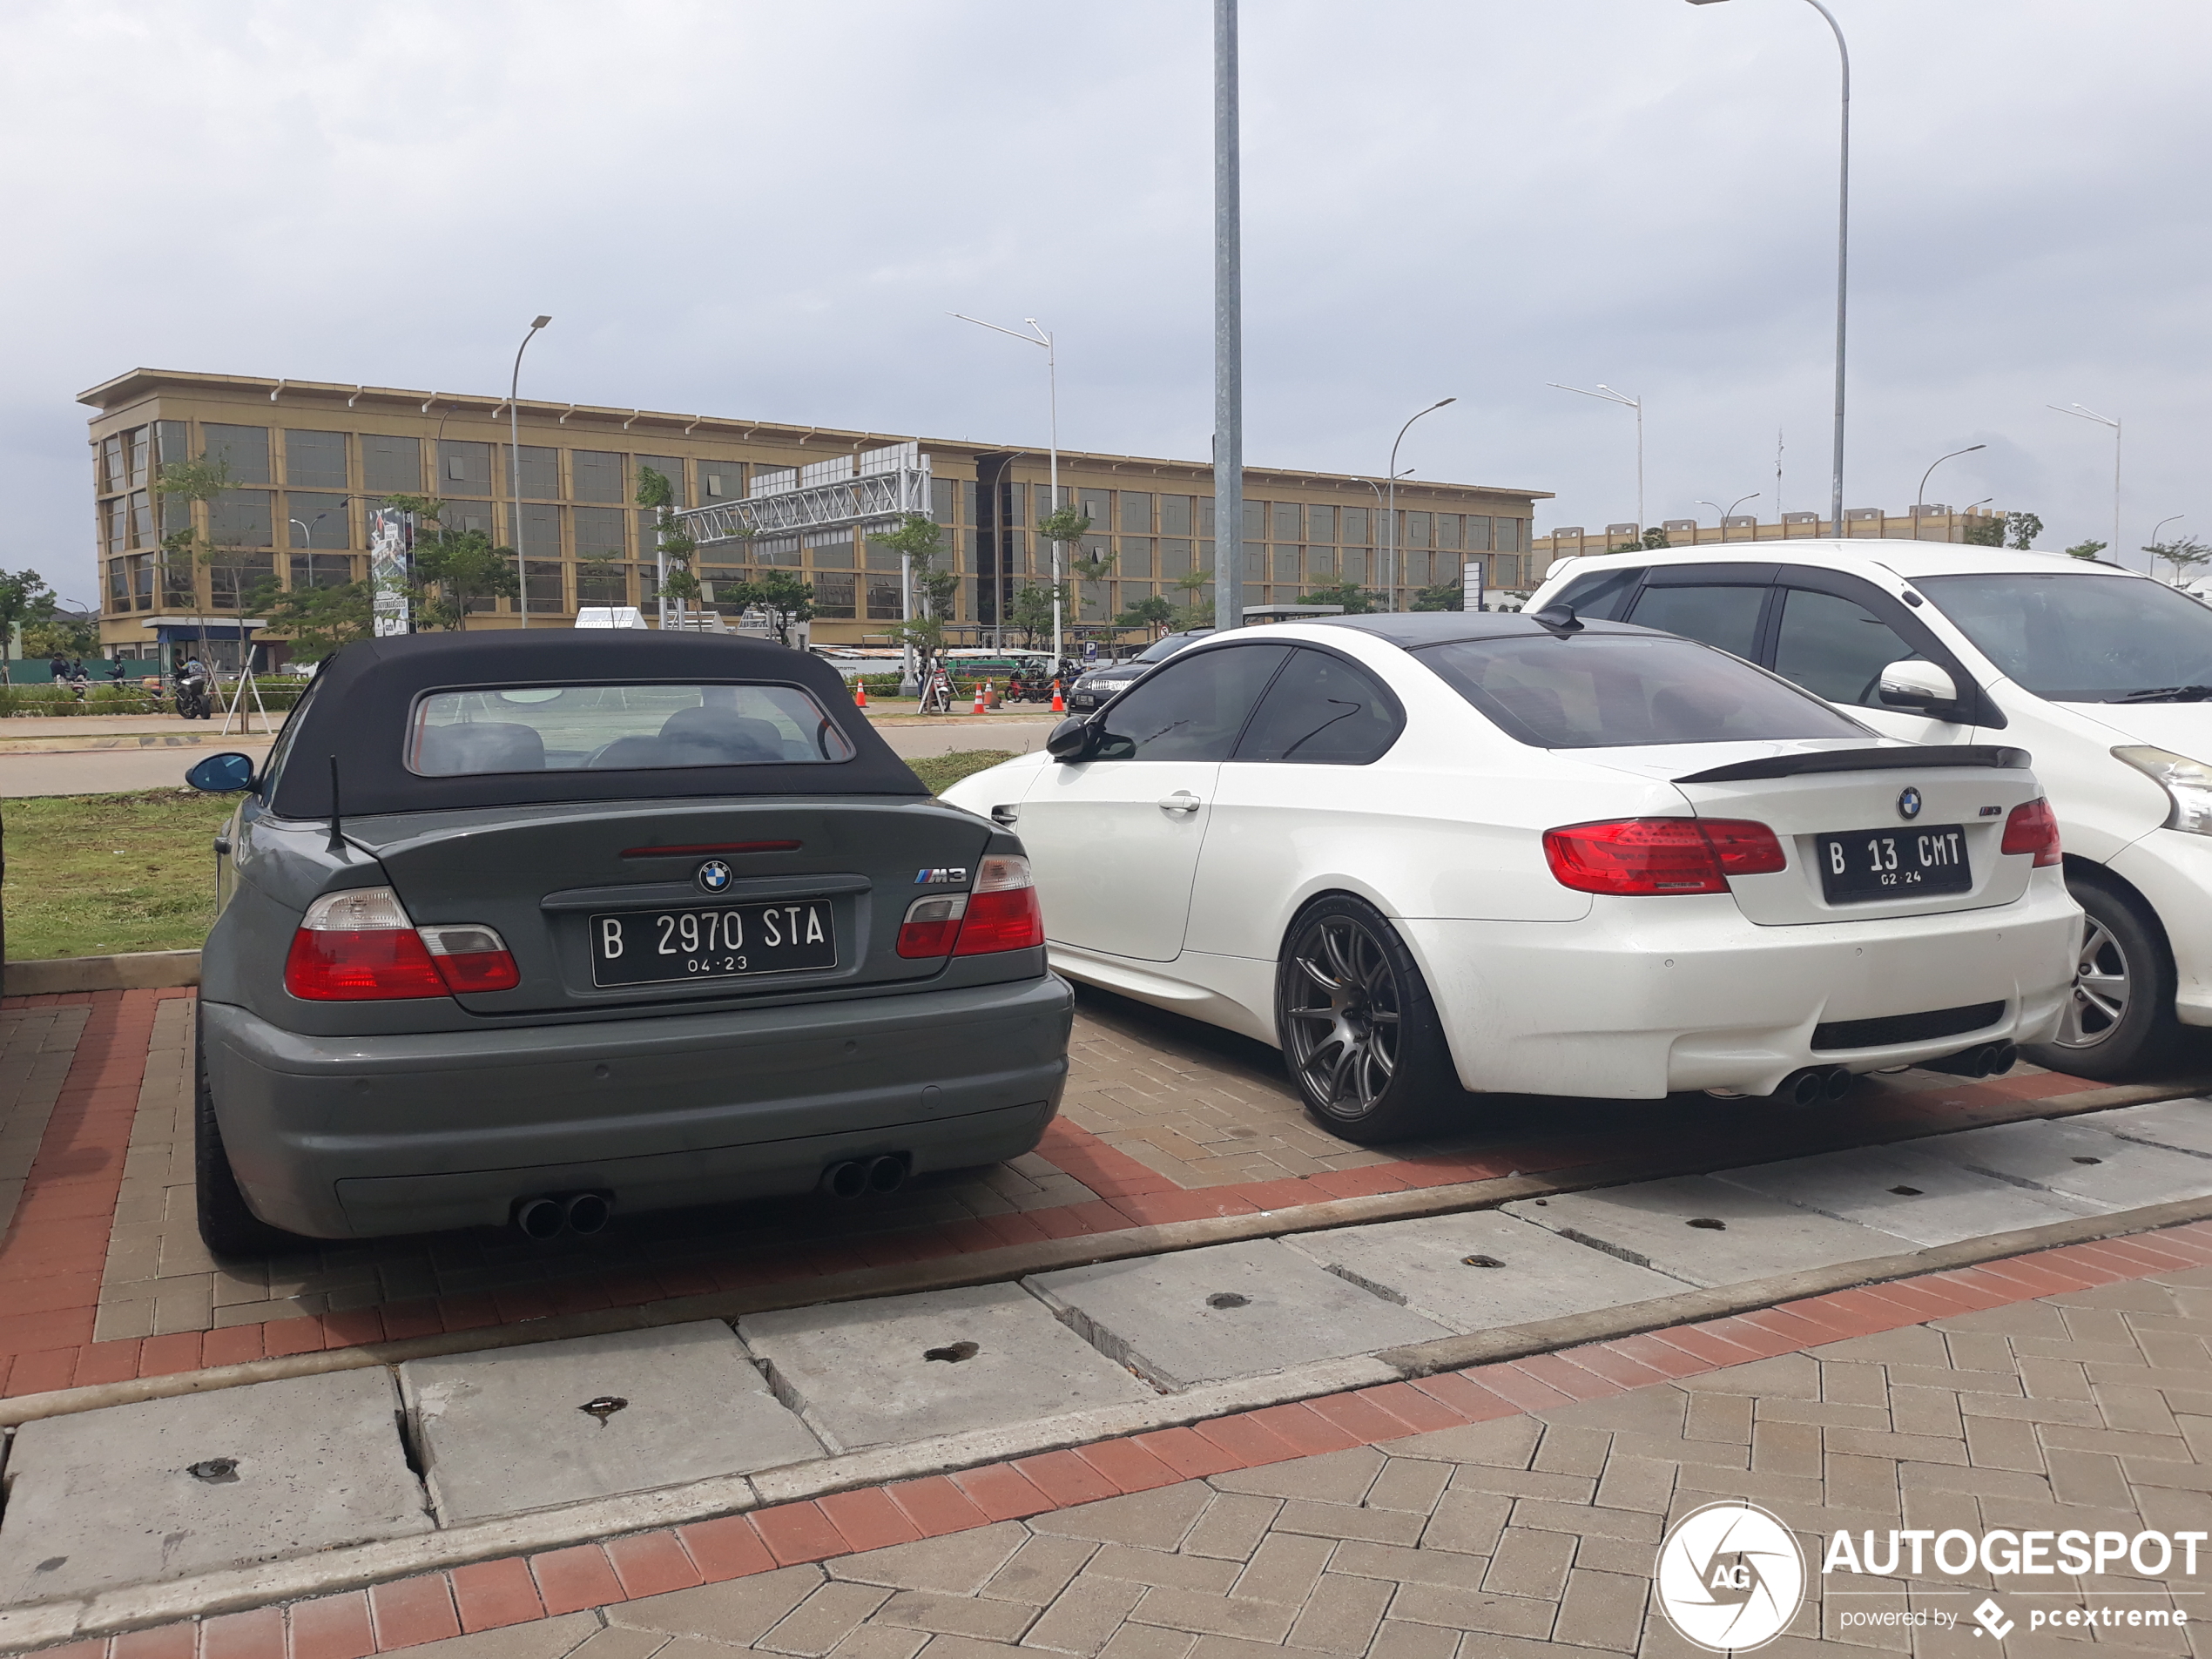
x,y
614,728
1614,691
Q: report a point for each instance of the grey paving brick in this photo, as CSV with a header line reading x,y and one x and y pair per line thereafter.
x,y
1086,1615
1039,1570
1410,1484
1231,1526
1601,1610
1333,1477
1156,1519
824,1619
1513,1616
1223,1615
966,1616
1468,1521
1342,1616
1530,1562
1283,1568
958,1563
1163,1567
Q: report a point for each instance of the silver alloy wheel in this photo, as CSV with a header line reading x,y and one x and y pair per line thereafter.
x,y
1341,1012
2100,989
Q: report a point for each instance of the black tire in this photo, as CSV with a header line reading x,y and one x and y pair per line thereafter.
x,y
1360,1033
226,1226
2120,1024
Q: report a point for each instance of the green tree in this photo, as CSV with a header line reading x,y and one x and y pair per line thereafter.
x,y
317,620
463,566
2021,530
917,538
2084,550
1445,596
1650,542
681,582
2181,555
1065,525
1355,599
783,596
1197,609
1155,613
24,598
71,633
1031,611
1093,569
1985,532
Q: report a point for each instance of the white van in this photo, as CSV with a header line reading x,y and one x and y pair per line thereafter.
x,y
2101,674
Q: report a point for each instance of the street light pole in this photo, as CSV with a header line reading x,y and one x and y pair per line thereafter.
x,y
1390,516
2154,530
1379,509
1228,329
1037,336
1843,257
2083,413
1724,512
1608,394
515,471
1920,496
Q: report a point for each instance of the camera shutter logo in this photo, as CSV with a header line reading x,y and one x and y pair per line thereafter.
x,y
1908,804
713,876
1731,1577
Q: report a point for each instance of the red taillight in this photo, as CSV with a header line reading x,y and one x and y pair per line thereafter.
x,y
2034,827
1655,855
359,947
932,925
1002,913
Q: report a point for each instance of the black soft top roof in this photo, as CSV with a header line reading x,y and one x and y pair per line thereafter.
x,y
358,708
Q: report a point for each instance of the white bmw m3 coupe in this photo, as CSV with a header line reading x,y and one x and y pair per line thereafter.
x,y
1532,855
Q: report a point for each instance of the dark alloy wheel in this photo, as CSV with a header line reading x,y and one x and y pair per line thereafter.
x,y
1360,1035
227,1227
2119,1022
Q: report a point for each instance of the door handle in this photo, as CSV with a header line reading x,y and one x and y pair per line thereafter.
x,y
1182,801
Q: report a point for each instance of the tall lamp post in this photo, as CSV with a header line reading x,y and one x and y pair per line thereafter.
x,y
1843,259
2154,530
1726,511
1389,513
515,470
2113,421
1228,329
1037,336
1920,496
1379,509
1608,394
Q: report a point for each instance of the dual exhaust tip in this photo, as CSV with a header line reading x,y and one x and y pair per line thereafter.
x,y
1989,1060
1814,1086
554,1213
856,1177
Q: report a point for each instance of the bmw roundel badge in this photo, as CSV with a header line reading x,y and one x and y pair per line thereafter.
x,y
1908,806
713,876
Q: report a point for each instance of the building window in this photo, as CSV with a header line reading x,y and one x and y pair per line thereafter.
x,y
543,587
317,521
1287,523
940,500
1286,563
883,600
244,448
541,529
833,595
602,584
180,584
1447,532
1320,523
1417,565
107,469
669,467
240,518
1507,567
1175,561
464,468
598,532
320,570
779,550
1137,512
139,439
1320,566
1477,537
1417,528
830,551
721,480
469,515
118,584
1256,521
1255,562
314,459
594,475
141,519
1508,532
391,465
720,585
172,439
541,469
1355,525
1175,514
232,576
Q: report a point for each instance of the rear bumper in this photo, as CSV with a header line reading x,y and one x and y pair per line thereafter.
x,y
1644,998
336,1137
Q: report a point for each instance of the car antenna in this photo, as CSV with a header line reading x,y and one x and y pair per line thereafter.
x,y
337,837
1558,620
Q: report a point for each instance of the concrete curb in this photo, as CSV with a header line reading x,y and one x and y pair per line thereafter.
x,y
111,1612
955,1272
136,970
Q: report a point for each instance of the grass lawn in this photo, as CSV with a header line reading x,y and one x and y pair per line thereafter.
x,y
90,875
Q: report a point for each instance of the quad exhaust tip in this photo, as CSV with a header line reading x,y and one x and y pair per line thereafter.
x,y
856,1176
550,1215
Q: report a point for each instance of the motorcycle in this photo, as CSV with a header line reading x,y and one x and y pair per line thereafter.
x,y
193,698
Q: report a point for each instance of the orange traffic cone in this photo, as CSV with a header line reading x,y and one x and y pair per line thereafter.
x,y
1059,704
979,697
860,694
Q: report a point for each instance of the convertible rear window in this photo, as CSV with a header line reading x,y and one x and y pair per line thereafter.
x,y
1616,691
616,728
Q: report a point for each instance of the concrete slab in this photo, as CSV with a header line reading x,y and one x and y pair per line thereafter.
x,y
862,1373
506,1431
1651,1223
2183,1123
1522,1271
1928,1199
2079,1163
1227,1311
287,1468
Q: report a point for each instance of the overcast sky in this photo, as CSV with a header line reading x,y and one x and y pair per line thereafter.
x,y
766,210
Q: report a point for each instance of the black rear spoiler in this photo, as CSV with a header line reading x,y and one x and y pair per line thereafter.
x,y
1992,756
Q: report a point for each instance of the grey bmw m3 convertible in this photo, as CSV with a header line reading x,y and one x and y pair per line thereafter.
x,y
541,927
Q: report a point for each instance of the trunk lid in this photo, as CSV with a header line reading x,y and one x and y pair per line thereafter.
x,y
837,874
1840,803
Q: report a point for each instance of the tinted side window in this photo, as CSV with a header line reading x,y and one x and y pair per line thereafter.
x,y
1834,648
1191,710
1602,593
1725,617
1323,711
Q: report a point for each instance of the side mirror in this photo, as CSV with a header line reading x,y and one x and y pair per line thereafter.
x,y
1072,739
1922,686
223,774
